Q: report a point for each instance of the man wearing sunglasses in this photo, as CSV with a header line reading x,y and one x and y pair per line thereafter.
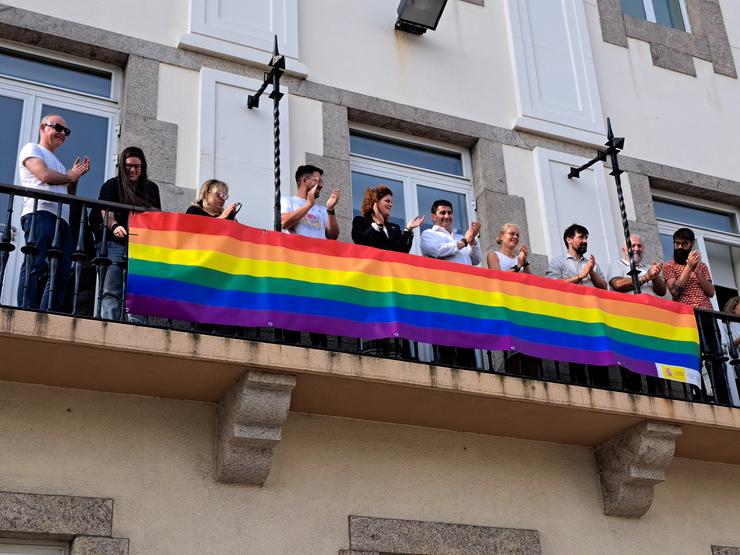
x,y
40,169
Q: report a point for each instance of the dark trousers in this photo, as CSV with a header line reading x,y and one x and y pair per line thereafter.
x,y
39,280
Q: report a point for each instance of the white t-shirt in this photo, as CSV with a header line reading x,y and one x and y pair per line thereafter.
x,y
313,224
505,262
619,268
33,150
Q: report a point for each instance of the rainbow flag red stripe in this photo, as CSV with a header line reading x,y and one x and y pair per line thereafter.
x,y
221,272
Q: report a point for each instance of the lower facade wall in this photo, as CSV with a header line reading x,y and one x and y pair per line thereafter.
x,y
154,458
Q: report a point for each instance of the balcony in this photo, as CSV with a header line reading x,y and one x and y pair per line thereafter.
x,y
501,393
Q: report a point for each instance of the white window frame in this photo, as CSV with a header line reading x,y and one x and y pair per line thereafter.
x,y
26,547
208,32
650,14
116,73
412,176
394,136
34,96
699,204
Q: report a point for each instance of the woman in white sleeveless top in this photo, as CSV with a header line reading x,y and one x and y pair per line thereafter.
x,y
509,258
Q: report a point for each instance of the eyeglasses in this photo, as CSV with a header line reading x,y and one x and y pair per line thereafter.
x,y
223,195
132,166
59,128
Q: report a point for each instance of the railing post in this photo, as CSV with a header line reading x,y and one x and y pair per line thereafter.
x,y
102,261
53,254
79,257
29,250
124,278
6,243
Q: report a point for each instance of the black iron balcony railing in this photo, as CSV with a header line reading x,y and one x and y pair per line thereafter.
x,y
719,332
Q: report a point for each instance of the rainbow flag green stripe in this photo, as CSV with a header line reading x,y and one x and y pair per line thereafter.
x,y
220,272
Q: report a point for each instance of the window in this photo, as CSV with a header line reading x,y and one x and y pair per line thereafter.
x,y
61,75
244,30
717,239
34,84
14,547
670,13
418,174
695,216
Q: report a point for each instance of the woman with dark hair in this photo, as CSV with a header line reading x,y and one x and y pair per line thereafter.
x,y
373,229
130,186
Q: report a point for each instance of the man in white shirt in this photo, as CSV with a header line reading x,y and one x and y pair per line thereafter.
x,y
40,169
650,284
443,242
302,215
649,277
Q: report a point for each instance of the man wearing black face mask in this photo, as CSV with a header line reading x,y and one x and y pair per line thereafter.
x,y
574,267
689,282
686,276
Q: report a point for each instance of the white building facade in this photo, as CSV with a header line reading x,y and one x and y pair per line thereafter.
x,y
491,111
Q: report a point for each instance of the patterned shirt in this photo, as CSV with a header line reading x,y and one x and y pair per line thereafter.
x,y
692,294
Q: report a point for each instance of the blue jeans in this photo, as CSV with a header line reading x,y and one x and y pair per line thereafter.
x,y
110,304
39,281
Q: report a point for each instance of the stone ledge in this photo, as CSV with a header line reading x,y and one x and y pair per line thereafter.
x,y
86,545
54,516
369,535
630,465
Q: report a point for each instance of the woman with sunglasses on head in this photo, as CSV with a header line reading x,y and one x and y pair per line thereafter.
x,y
210,201
130,186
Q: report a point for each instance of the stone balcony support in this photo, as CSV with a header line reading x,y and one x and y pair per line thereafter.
x,y
630,465
250,419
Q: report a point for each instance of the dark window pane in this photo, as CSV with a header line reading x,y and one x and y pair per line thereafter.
x,y
409,155
668,13
427,196
635,8
361,181
666,241
11,112
89,138
65,76
694,216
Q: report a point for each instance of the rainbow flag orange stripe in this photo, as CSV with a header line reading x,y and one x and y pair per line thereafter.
x,y
220,272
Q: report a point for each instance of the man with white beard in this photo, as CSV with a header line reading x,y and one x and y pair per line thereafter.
x,y
650,283
649,277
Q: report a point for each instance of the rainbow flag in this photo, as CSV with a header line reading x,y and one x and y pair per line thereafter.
x,y
220,272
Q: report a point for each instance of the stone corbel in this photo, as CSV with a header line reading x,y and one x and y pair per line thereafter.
x,y
250,419
630,465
